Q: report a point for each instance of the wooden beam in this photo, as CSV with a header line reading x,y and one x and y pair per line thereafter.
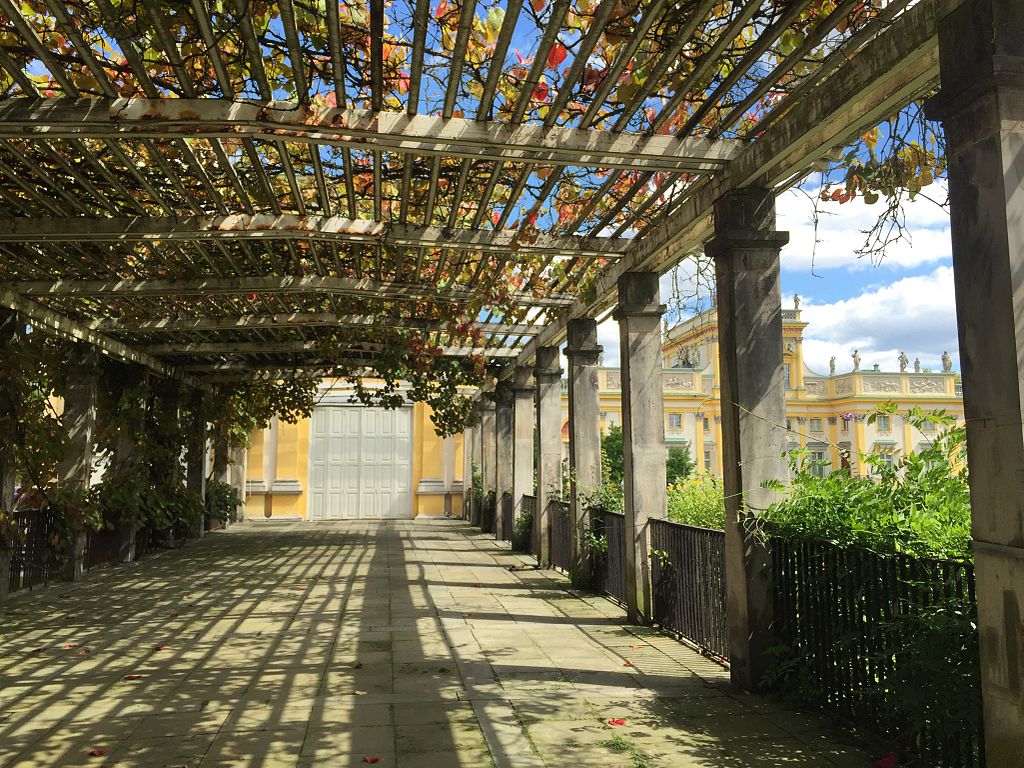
x,y
328,286
358,129
297,347
293,227
59,325
324,319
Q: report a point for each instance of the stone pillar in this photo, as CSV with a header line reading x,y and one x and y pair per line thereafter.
x,y
195,457
468,441
746,248
221,469
643,431
981,105
504,444
523,422
583,352
79,420
548,375
9,330
125,459
488,453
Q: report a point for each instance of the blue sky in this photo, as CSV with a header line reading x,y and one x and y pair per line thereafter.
x,y
904,303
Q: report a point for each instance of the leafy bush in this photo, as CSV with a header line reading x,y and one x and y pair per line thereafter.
x,y
222,500
698,501
920,504
522,532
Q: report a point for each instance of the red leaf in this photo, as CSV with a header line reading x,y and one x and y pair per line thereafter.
x,y
84,650
557,55
133,677
540,93
710,685
99,752
617,721
538,5
442,9
628,663
162,648
372,759
174,614
38,650
887,761
70,645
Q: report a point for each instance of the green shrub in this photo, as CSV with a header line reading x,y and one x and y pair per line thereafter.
x,y
222,500
698,501
522,532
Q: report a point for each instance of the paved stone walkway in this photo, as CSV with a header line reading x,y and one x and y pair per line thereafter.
x,y
416,644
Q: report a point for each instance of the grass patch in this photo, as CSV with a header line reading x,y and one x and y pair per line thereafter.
x,y
620,744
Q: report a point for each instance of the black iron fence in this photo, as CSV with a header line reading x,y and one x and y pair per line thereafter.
x,y
887,642
688,566
610,553
522,532
35,551
561,535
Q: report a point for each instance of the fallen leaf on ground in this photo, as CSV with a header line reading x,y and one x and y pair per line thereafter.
x,y
84,650
162,648
358,693
372,759
710,685
70,645
99,752
617,721
628,663
133,677
887,761
172,615
38,650
634,646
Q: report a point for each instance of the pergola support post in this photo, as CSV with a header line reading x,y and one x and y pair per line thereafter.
x,y
126,448
80,421
9,325
745,249
221,471
468,443
548,376
195,458
523,423
981,105
583,353
488,457
643,431
503,427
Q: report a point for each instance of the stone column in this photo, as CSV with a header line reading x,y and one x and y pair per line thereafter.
x,y
468,441
195,457
79,420
221,470
488,453
583,352
504,440
746,248
548,375
125,459
523,422
9,330
981,104
643,431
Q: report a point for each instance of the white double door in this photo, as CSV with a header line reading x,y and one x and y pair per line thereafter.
x,y
360,463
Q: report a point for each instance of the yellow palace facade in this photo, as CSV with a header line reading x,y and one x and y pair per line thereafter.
x,y
350,461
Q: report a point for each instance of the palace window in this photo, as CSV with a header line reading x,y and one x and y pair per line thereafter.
x,y
789,425
815,425
785,373
707,460
883,423
928,426
818,460
707,424
675,420
846,426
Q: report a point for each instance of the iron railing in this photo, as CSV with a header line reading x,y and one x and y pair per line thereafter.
x,y
868,632
35,551
688,568
523,540
561,535
610,564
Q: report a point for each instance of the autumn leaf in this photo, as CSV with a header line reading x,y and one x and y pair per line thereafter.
x,y
538,5
98,752
617,721
557,56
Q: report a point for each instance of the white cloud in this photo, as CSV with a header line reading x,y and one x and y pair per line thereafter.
x,y
841,229
913,315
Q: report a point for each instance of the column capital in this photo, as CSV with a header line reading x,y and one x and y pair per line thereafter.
x,y
548,364
581,344
522,380
639,296
504,393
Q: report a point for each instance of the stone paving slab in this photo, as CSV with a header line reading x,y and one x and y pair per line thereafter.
x,y
419,644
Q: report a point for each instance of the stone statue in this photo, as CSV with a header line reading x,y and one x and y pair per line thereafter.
x,y
832,366
796,301
947,362
904,361
856,360
917,365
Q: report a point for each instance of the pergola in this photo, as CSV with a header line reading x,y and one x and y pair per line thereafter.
x,y
220,192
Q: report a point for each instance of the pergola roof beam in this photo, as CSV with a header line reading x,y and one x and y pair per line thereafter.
x,y
229,348
358,129
338,286
293,227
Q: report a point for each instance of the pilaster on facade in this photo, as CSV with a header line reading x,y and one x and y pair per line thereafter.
x,y
745,249
981,105
639,315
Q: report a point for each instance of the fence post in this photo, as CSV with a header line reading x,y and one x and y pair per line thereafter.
x,y
80,421
643,431
746,253
8,333
548,375
583,353
981,105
